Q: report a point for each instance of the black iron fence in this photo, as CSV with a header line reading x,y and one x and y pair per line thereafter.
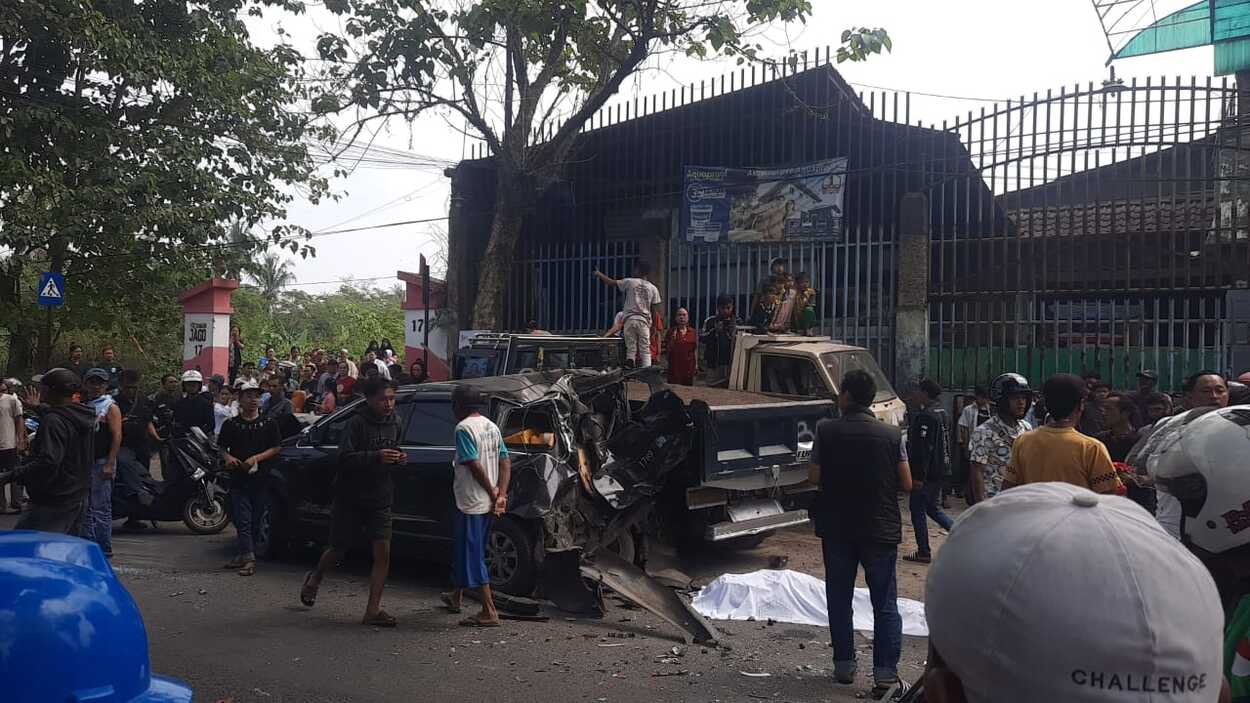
x,y
1091,227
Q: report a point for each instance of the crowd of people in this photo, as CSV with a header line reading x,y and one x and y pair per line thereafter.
x,y
1068,501
783,303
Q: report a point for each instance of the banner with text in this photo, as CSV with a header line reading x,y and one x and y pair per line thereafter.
x,y
764,204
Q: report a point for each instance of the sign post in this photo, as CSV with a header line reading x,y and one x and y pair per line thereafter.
x,y
52,289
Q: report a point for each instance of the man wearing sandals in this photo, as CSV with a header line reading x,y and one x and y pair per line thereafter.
x,y
248,440
483,471
363,493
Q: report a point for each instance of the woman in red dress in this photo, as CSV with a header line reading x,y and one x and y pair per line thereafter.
x,y
681,344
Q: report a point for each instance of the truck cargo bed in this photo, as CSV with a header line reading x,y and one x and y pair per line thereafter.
x,y
714,397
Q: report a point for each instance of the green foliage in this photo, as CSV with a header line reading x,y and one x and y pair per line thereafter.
x,y
345,319
526,75
131,134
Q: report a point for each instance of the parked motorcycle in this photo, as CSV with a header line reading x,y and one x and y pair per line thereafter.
x,y
195,488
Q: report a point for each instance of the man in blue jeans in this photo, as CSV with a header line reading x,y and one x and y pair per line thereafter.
x,y
928,446
860,465
97,522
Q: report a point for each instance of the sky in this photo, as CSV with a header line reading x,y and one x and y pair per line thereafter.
x,y
958,54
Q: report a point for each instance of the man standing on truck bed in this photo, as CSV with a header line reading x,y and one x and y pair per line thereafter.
x,y
860,465
641,309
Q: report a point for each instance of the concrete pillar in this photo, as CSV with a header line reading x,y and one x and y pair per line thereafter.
x,y
911,312
415,306
206,314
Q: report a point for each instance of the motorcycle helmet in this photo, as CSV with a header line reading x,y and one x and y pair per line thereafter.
x,y
1238,393
1200,461
71,632
1007,385
192,377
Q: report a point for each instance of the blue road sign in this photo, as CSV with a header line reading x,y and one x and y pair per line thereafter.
x,y
51,289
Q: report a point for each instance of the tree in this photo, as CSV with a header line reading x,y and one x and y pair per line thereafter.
x,y
131,131
272,274
526,75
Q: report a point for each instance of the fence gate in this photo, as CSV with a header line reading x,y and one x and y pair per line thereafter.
x,y
1097,228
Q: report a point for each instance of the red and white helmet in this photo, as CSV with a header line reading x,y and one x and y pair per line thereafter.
x,y
1201,460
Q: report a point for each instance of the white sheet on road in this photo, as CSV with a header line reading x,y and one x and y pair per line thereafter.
x,y
790,596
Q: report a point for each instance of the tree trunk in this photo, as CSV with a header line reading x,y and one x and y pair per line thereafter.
x,y
19,361
514,196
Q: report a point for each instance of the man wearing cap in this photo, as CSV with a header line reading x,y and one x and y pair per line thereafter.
x,y
57,474
1092,601
1147,381
97,523
860,466
248,440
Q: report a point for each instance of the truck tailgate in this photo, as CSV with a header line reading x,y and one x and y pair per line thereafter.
x,y
740,440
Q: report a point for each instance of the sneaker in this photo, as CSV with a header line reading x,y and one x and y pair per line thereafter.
x,y
887,690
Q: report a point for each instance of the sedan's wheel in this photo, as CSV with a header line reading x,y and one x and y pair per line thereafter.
x,y
510,558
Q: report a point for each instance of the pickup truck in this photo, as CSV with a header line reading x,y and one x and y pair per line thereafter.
x,y
807,367
502,354
746,473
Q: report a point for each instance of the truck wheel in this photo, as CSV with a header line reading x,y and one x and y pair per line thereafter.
x,y
510,558
205,517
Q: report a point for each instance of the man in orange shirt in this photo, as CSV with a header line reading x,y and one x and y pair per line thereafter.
x,y
1056,451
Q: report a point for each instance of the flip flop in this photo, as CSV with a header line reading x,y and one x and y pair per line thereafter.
x,y
474,622
449,604
308,594
249,569
381,619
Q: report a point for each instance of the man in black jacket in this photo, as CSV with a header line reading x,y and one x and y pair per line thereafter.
x,y
58,472
860,465
194,409
368,448
928,447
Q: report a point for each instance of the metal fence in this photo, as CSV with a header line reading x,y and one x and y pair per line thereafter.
x,y
1090,227
854,281
1102,235
555,288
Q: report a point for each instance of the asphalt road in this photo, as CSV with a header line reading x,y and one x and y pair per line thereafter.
x,y
249,639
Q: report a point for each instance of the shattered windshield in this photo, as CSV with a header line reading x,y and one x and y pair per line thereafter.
x,y
839,363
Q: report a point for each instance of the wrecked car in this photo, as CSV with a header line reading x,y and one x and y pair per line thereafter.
x,y
586,472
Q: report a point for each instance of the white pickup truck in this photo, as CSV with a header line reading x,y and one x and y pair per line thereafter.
x,y
747,472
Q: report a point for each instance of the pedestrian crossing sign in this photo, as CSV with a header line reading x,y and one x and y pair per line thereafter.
x,y
51,289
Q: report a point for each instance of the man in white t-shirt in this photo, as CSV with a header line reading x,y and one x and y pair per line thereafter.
x,y
12,439
482,473
641,308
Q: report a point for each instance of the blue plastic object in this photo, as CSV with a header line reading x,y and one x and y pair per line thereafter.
x,y
69,631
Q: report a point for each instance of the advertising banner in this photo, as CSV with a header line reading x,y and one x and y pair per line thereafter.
x,y
764,204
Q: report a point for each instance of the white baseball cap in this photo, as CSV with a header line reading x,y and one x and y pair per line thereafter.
x,y
1050,592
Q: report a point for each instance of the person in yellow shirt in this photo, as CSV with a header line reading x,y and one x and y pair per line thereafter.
x,y
1056,451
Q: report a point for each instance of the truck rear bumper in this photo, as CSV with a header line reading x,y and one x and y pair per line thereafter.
x,y
773,520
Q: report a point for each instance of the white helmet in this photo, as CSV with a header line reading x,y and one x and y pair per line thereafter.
x,y
192,377
1202,462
